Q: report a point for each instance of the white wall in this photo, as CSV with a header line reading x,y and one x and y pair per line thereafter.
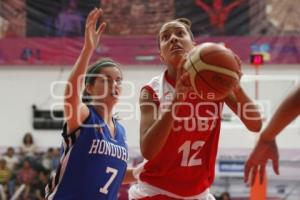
x,y
23,86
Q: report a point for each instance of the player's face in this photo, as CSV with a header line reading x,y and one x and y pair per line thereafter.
x,y
107,86
175,42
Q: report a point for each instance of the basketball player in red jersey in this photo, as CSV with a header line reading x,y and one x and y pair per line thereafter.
x,y
179,132
266,147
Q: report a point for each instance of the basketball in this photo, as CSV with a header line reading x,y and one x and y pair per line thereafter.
x,y
213,70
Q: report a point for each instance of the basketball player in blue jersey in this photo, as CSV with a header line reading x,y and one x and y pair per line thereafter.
x,y
94,159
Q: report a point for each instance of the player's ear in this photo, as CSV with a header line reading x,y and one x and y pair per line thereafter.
x,y
88,89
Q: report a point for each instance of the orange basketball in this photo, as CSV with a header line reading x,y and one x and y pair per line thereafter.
x,y
214,70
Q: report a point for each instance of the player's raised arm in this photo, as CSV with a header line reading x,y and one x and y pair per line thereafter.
x,y
74,109
239,102
266,147
287,111
151,124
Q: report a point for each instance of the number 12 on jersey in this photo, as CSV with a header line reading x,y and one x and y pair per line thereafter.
x,y
189,159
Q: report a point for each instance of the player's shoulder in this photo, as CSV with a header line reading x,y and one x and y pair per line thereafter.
x,y
93,115
154,85
117,122
154,82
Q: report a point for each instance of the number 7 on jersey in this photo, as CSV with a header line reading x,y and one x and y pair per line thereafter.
x,y
114,173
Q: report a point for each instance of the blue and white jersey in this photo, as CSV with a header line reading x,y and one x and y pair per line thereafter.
x,y
93,164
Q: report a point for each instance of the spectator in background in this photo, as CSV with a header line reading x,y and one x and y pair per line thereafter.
x,y
3,27
46,159
26,174
11,158
5,176
120,15
55,158
5,172
14,12
50,160
225,196
28,147
12,162
69,21
157,13
137,12
38,188
117,16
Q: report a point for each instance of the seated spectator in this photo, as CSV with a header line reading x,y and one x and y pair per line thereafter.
x,y
51,159
38,188
14,12
225,196
55,159
69,21
3,27
119,16
11,158
5,176
25,178
46,159
26,174
5,172
28,148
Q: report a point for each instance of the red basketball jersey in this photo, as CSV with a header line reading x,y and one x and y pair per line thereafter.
x,y
185,165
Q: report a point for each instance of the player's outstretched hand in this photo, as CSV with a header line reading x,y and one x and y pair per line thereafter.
x,y
92,33
257,161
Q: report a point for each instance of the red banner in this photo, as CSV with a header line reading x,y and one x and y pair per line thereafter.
x,y
138,50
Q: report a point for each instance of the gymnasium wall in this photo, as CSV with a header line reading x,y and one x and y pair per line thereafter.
x,y
21,87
